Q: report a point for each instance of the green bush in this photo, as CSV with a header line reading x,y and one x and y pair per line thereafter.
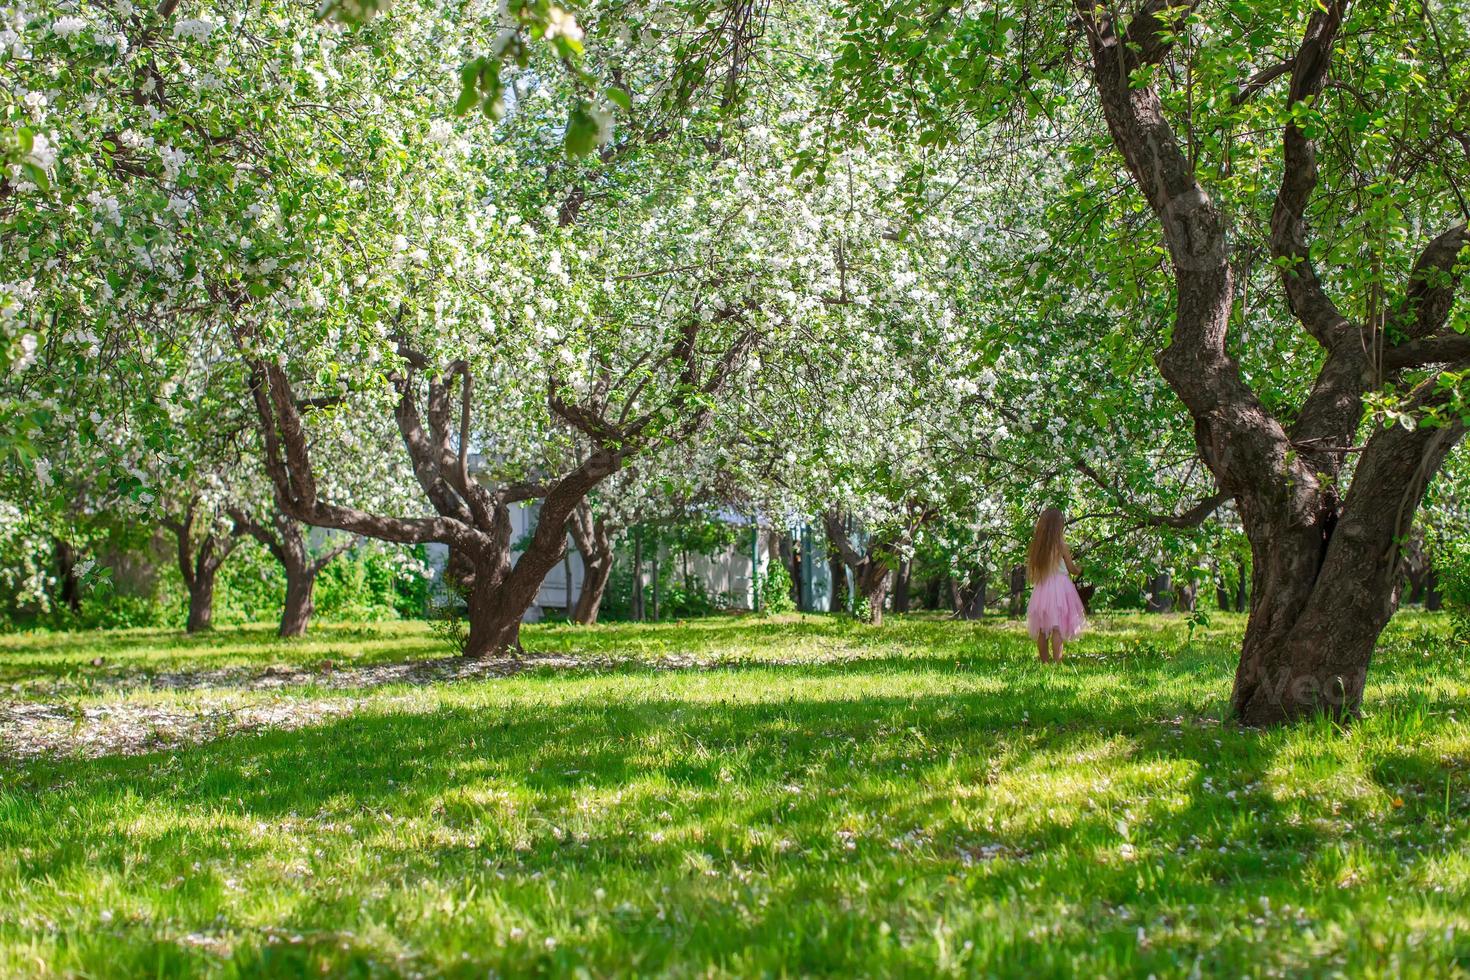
x,y
776,589
676,600
251,588
689,599
358,586
371,583
1454,585
106,610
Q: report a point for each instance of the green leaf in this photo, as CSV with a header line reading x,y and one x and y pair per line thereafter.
x,y
37,175
620,98
581,135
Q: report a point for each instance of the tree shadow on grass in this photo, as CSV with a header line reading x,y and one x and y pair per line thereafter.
x,y
1043,822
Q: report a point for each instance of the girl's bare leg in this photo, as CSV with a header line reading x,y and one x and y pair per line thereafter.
x,y
1041,640
1056,646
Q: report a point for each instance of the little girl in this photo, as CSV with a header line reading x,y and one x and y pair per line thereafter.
x,y
1055,611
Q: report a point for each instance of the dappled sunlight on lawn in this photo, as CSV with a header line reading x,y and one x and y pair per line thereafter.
x,y
930,799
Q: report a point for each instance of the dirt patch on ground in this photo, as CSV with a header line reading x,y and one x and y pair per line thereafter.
x,y
29,729
337,676
227,706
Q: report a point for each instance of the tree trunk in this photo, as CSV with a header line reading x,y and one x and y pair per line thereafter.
x,y
594,587
1320,599
296,614
66,567
901,587
286,539
978,597
593,538
1433,598
657,584
1223,599
837,601
872,572
1160,597
801,581
496,605
566,579
1017,600
1085,592
931,592
504,589
1324,568
201,602
1185,596
635,607
782,547
1242,586
494,630
873,585
199,567
970,598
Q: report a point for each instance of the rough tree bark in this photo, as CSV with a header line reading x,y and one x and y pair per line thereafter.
x,y
1324,563
66,572
286,541
970,597
837,572
1016,603
636,606
199,564
593,536
872,570
781,547
1159,594
472,518
1242,586
901,587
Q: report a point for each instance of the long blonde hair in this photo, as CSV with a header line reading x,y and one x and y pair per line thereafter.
x,y
1046,545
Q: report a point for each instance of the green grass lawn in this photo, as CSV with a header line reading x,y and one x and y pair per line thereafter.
x,y
738,797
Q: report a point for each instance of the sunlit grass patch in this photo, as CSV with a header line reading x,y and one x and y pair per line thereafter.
x,y
805,796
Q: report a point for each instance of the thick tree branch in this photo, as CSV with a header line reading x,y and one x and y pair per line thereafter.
x,y
1193,517
1150,33
1238,438
183,533
604,434
1260,80
1431,350
288,463
332,554
837,534
1430,293
1304,290
245,524
513,493
428,454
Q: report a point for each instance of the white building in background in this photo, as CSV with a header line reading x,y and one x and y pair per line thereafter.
x,y
562,584
726,573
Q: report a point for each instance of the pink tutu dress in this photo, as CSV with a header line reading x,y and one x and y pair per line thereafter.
x,y
1055,605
